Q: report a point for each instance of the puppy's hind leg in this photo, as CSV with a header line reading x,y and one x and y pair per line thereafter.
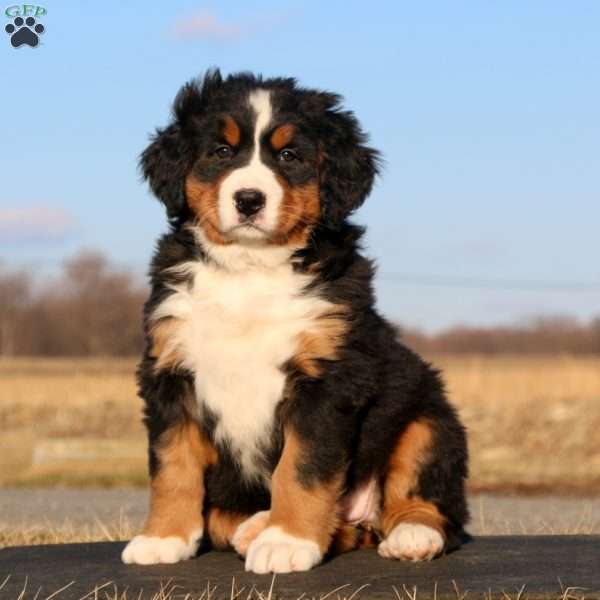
x,y
415,527
227,529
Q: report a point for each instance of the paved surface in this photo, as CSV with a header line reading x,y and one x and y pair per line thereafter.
x,y
497,564
490,514
57,506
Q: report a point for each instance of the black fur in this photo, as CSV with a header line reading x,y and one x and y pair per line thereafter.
x,y
352,416
348,166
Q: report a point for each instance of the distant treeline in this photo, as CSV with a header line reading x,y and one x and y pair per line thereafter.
x,y
92,308
544,335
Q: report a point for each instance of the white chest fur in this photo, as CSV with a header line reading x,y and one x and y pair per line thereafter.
x,y
235,330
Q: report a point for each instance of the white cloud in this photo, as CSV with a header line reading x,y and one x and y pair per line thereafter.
x,y
35,222
203,24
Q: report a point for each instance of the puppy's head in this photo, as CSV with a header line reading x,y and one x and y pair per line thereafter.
x,y
256,161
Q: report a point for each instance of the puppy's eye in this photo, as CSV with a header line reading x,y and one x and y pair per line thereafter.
x,y
224,152
287,155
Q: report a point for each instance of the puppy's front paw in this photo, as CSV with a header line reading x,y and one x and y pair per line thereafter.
x,y
248,530
275,551
150,550
412,541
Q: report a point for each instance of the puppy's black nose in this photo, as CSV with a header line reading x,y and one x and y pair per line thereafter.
x,y
249,202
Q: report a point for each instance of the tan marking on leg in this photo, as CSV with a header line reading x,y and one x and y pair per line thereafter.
x,y
351,537
314,267
221,526
369,539
203,199
415,510
308,513
321,342
231,131
177,489
404,466
346,539
282,136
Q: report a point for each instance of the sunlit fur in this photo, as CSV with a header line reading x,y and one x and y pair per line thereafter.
x,y
263,339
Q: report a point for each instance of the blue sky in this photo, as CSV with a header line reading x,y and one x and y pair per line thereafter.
x,y
487,113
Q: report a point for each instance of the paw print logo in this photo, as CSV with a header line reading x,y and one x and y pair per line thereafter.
x,y
24,32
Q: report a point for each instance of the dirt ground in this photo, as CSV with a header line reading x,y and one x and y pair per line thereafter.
x,y
533,427
40,515
533,422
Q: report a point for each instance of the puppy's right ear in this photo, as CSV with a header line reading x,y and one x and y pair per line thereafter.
x,y
166,162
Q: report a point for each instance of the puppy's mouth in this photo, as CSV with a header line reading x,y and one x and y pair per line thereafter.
x,y
247,230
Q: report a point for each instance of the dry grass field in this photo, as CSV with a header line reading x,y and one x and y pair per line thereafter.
x,y
533,422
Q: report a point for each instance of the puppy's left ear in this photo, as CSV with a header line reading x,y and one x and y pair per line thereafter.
x,y
348,165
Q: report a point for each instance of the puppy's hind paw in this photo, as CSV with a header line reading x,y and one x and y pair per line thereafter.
x,y
248,530
412,541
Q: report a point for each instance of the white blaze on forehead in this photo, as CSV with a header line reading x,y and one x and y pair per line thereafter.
x,y
254,175
260,101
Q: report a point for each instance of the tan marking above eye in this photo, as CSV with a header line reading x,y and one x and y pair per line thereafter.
x,y
282,136
231,131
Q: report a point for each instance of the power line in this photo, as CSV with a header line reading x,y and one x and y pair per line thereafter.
x,y
407,279
491,284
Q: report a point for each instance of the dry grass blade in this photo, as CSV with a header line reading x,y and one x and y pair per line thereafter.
x,y
66,532
271,588
95,591
459,596
168,590
568,593
357,591
412,596
519,595
333,591
234,594
62,589
21,596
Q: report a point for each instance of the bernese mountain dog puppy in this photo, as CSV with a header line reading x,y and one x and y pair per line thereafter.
x,y
285,419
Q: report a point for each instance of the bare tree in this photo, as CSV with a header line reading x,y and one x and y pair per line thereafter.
x,y
15,297
542,335
91,309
